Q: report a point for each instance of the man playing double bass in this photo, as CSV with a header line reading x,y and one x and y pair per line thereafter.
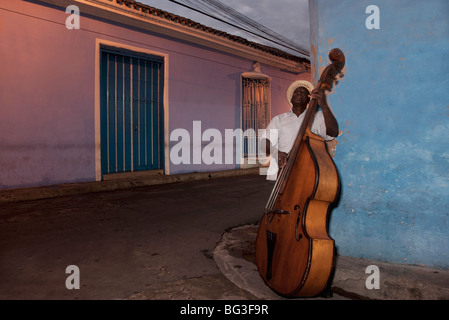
x,y
295,255
287,124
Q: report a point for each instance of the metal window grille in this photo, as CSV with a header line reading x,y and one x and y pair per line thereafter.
x,y
256,103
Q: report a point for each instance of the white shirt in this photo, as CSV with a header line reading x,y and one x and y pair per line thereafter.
x,y
282,131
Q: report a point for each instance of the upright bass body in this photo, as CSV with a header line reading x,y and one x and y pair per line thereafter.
x,y
294,252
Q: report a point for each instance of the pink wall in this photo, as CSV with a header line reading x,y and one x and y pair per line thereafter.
x,y
47,92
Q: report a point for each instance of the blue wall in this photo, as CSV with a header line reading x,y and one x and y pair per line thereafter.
x,y
393,110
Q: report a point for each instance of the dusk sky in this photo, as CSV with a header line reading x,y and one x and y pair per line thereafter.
x,y
289,18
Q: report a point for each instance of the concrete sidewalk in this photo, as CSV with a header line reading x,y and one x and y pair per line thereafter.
x,y
184,237
234,256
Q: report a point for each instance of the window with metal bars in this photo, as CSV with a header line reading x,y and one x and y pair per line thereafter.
x,y
256,105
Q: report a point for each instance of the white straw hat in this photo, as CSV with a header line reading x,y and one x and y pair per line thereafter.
x,y
295,85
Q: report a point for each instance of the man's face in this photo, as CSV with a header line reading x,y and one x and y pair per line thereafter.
x,y
300,96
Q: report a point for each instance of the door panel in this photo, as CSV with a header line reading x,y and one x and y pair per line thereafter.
x,y
131,112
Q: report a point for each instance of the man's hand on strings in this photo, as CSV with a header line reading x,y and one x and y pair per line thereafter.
x,y
282,159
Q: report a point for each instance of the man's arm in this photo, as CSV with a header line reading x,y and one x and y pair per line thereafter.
x,y
329,118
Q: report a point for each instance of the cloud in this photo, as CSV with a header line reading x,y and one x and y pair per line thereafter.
x,y
289,18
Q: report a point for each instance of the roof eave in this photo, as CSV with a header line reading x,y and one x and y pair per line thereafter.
x,y
124,14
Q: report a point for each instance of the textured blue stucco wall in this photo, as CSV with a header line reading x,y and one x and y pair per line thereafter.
x,y
393,110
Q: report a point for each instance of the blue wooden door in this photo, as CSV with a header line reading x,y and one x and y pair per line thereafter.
x,y
131,111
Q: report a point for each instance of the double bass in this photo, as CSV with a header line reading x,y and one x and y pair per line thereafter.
x,y
294,252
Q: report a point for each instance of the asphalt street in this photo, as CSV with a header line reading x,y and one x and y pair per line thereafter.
x,y
152,242
178,241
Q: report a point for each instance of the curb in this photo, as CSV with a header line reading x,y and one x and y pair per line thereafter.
x,y
396,281
70,189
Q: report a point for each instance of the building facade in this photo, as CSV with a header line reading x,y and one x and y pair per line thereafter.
x,y
92,88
